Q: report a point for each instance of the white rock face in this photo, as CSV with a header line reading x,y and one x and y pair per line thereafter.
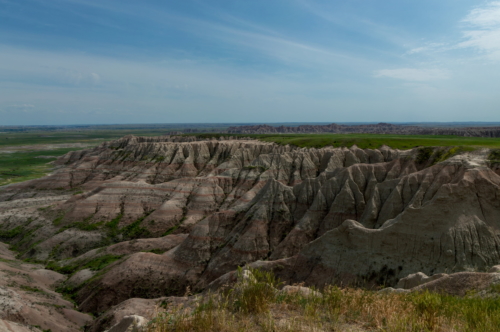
x,y
417,279
300,290
8,326
494,269
130,324
80,277
390,290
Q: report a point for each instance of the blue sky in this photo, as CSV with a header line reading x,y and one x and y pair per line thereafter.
x,y
87,61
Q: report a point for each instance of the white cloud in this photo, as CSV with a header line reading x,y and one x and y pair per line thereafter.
x,y
21,106
16,108
484,32
426,48
485,41
481,33
95,78
486,17
235,32
413,74
356,23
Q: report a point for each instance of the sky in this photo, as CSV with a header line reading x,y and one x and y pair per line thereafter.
x,y
164,61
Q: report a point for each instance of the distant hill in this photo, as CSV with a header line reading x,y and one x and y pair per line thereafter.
x,y
379,128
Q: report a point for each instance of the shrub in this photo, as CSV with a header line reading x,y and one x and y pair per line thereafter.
x,y
10,234
424,155
494,156
255,290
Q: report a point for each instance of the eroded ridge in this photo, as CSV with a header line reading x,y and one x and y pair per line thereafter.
x,y
329,215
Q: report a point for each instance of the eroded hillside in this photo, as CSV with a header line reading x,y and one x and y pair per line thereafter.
x,y
162,214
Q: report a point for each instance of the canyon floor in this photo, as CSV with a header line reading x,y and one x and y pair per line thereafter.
x,y
117,229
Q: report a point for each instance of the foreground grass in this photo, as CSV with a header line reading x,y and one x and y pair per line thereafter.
x,y
251,306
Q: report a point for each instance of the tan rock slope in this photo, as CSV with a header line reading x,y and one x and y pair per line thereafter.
x,y
179,212
28,301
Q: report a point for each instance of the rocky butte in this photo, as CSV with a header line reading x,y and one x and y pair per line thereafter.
x,y
147,217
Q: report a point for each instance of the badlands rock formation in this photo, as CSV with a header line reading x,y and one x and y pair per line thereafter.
x,y
152,217
28,299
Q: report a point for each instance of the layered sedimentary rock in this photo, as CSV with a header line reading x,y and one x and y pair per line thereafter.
x,y
329,215
28,299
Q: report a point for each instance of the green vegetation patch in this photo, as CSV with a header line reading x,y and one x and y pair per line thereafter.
x,y
155,251
95,264
494,156
424,154
112,226
24,244
135,230
32,289
85,225
10,234
100,263
171,230
23,166
71,136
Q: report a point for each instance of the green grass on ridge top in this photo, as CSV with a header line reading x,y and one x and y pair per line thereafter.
x,y
12,139
374,141
27,165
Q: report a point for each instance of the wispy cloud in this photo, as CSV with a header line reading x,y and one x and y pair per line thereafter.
x,y
238,34
269,43
361,25
413,74
427,48
480,32
16,108
484,32
484,17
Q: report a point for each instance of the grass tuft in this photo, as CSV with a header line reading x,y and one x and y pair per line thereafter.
x,y
254,304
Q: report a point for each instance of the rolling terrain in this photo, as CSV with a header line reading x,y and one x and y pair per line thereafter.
x,y
149,217
380,128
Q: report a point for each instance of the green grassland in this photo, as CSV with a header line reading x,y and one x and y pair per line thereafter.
x,y
23,166
374,141
8,139
20,152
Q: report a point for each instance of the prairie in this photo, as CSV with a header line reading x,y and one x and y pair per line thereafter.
x,y
374,141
